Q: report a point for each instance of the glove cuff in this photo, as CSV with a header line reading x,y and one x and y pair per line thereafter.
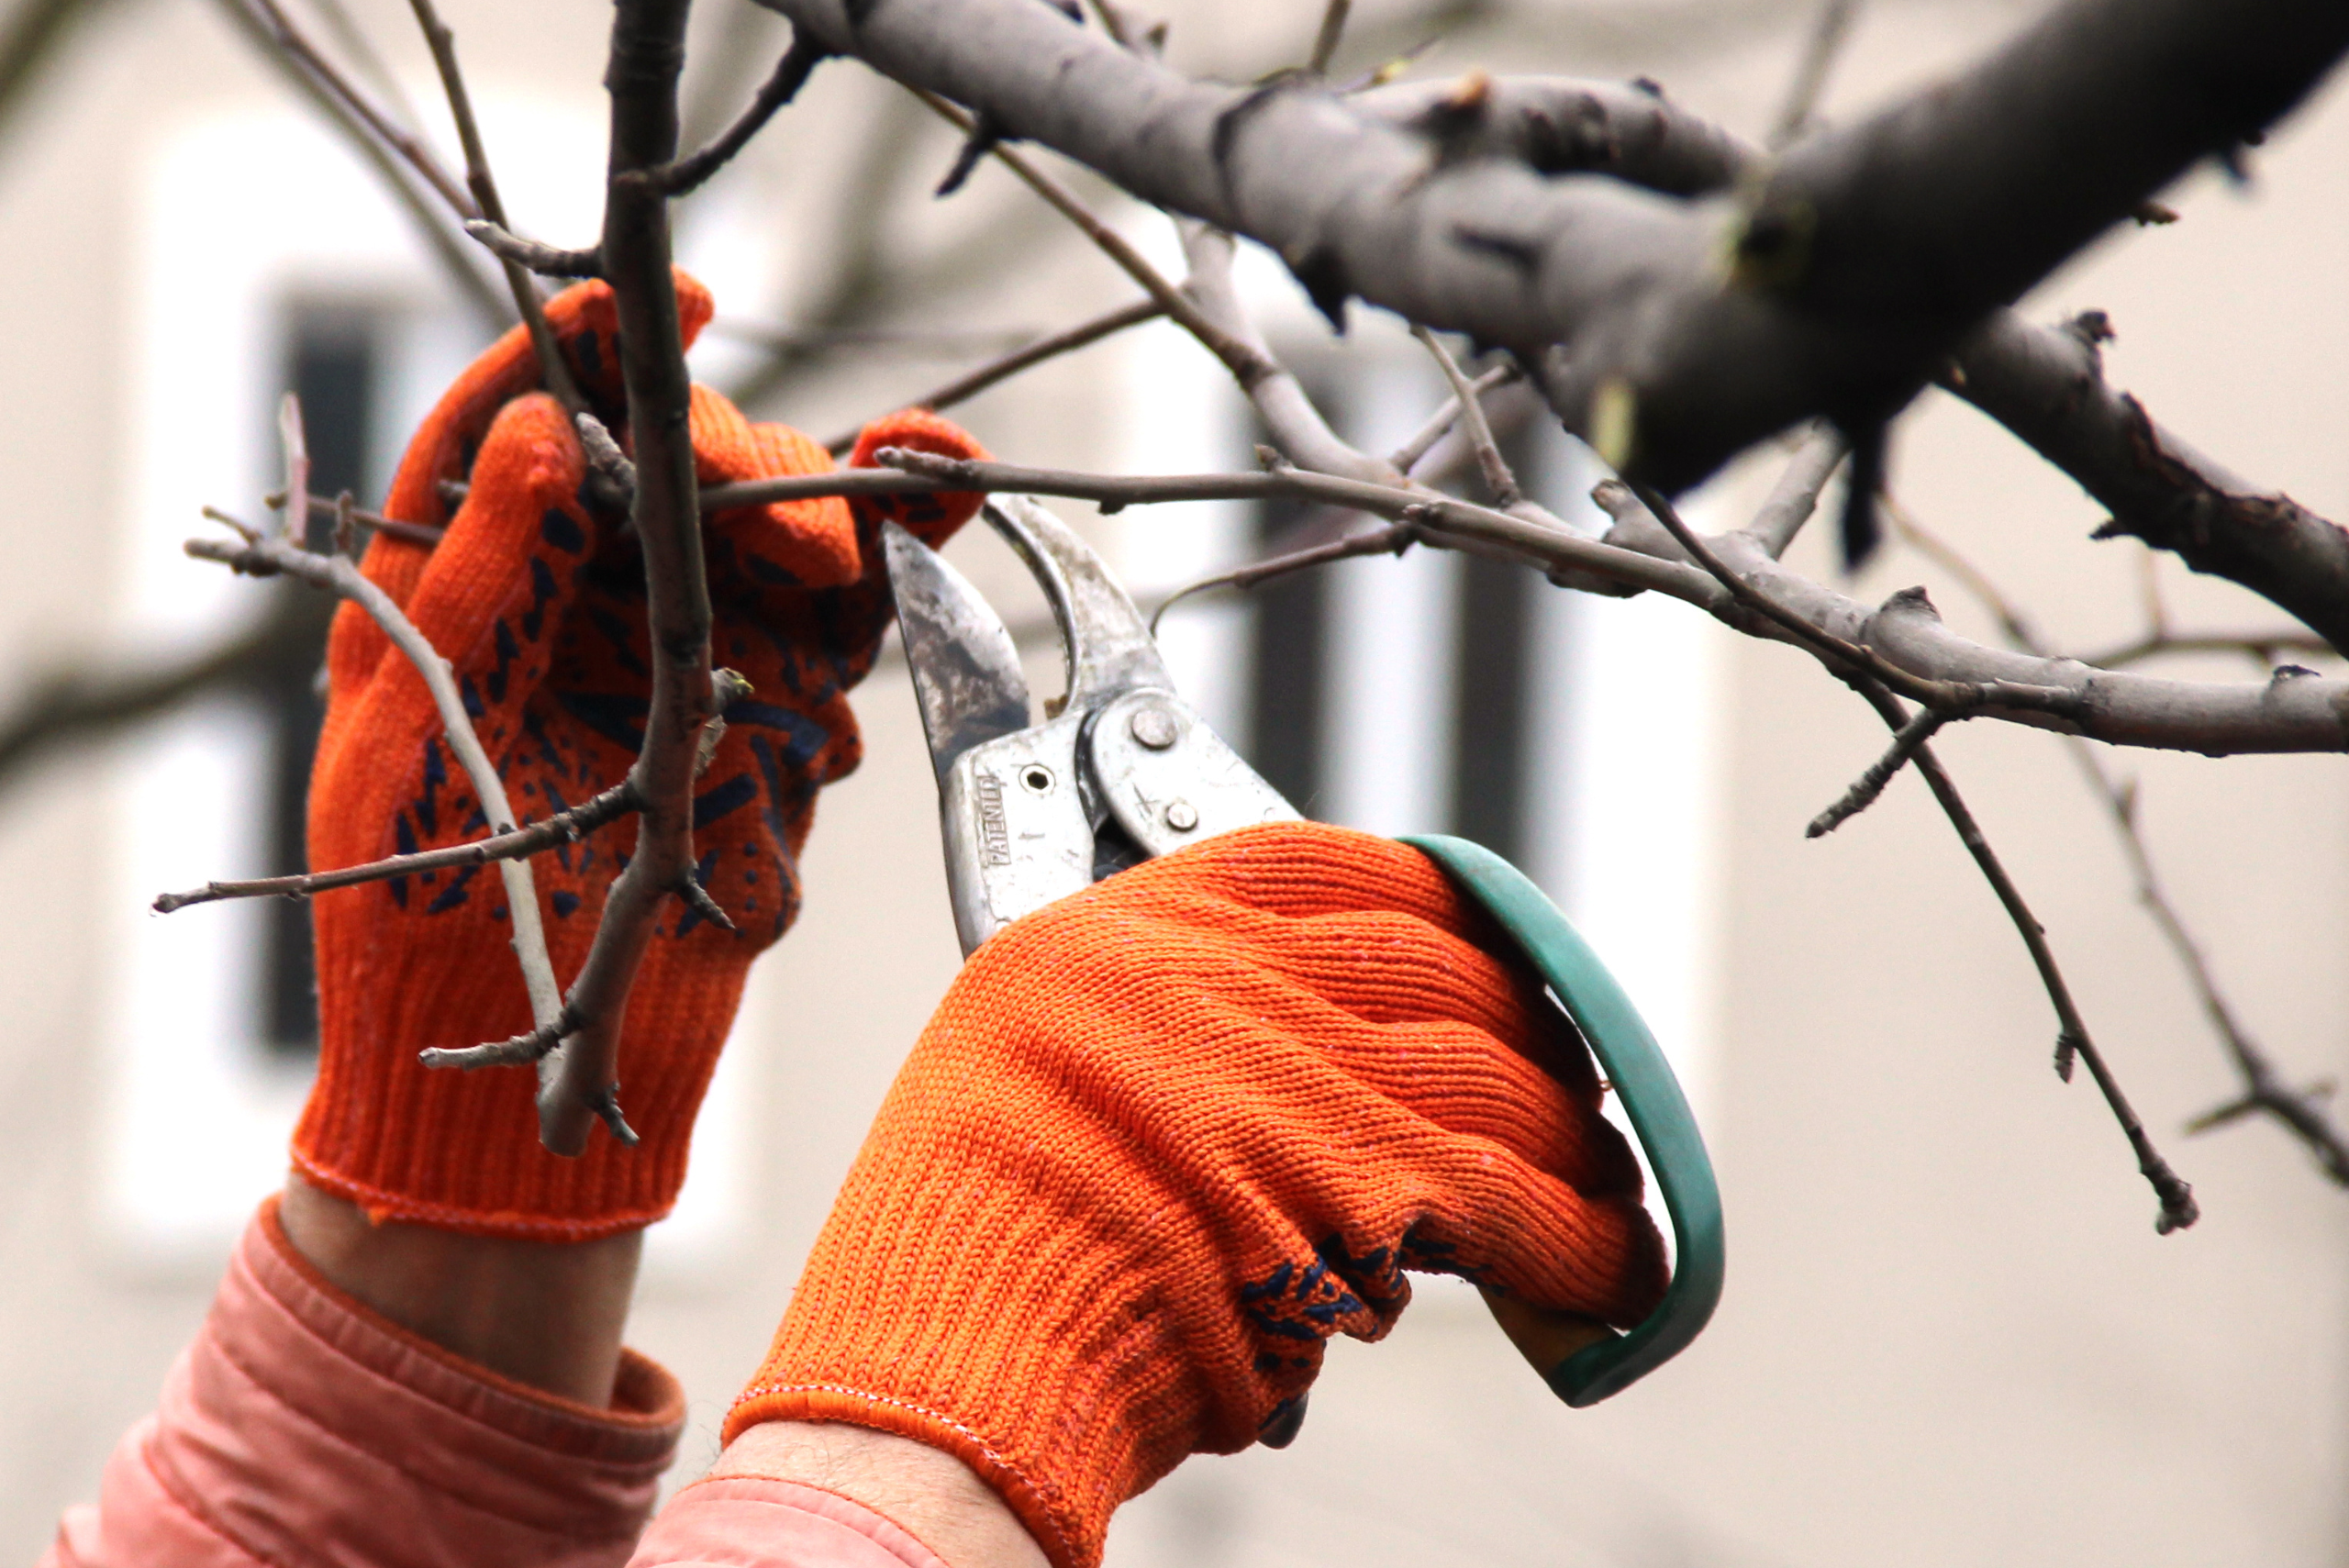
x,y
459,1150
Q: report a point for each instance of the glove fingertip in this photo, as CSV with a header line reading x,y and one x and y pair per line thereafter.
x,y
932,518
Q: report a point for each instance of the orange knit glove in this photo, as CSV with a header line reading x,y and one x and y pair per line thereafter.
x,y
1166,1135
537,598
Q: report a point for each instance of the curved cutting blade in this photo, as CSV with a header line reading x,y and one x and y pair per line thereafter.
x,y
1106,642
966,673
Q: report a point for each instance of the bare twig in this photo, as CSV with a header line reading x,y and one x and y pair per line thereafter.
x,y
1795,495
385,148
342,576
791,73
291,40
971,384
554,373
2179,1208
413,533
1325,39
1245,362
2264,1089
2299,715
1819,51
1499,480
1392,540
1920,728
1439,424
564,827
608,468
1952,699
2262,648
533,255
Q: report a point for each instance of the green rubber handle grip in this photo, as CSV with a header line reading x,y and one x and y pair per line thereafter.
x,y
1652,1100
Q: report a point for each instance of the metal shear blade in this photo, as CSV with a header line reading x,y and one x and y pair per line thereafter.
x,y
1124,771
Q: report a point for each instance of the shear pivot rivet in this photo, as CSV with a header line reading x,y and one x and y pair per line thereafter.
x,y
1182,816
1153,727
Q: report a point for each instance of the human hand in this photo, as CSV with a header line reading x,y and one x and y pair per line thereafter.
x,y
1165,1137
536,597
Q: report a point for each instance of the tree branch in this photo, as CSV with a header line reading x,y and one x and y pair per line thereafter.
x,y
266,557
554,373
791,73
2293,714
382,145
579,1079
1867,254
971,383
1498,480
2048,387
2265,1090
2179,1208
564,828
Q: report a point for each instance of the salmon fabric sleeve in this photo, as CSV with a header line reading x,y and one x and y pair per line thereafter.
x,y
301,1430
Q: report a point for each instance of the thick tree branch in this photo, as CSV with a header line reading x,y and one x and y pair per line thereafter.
x,y
2048,387
1870,250
579,1079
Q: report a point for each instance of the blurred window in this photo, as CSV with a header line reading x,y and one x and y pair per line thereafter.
x,y
332,362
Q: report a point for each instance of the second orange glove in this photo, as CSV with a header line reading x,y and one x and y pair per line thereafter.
x,y
1165,1137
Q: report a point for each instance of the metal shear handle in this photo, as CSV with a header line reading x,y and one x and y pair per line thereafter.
x,y
1123,770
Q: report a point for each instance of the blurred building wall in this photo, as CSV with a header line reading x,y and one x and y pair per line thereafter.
x,y
1950,1336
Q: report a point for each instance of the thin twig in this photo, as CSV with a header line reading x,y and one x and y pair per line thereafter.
x,y
971,384
2264,1089
1439,424
534,255
1920,728
2303,715
291,40
1325,41
339,576
1394,538
1244,361
554,373
373,139
413,533
791,73
1499,480
2262,648
564,827
2179,1208
1953,697
1826,41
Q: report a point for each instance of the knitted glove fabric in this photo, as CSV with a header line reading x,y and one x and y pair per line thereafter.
x,y
1166,1135
536,599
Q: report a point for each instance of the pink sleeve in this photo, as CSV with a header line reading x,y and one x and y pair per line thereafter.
x,y
750,1522
302,1430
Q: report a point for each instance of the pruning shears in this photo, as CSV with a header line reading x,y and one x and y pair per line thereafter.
x,y
1122,770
